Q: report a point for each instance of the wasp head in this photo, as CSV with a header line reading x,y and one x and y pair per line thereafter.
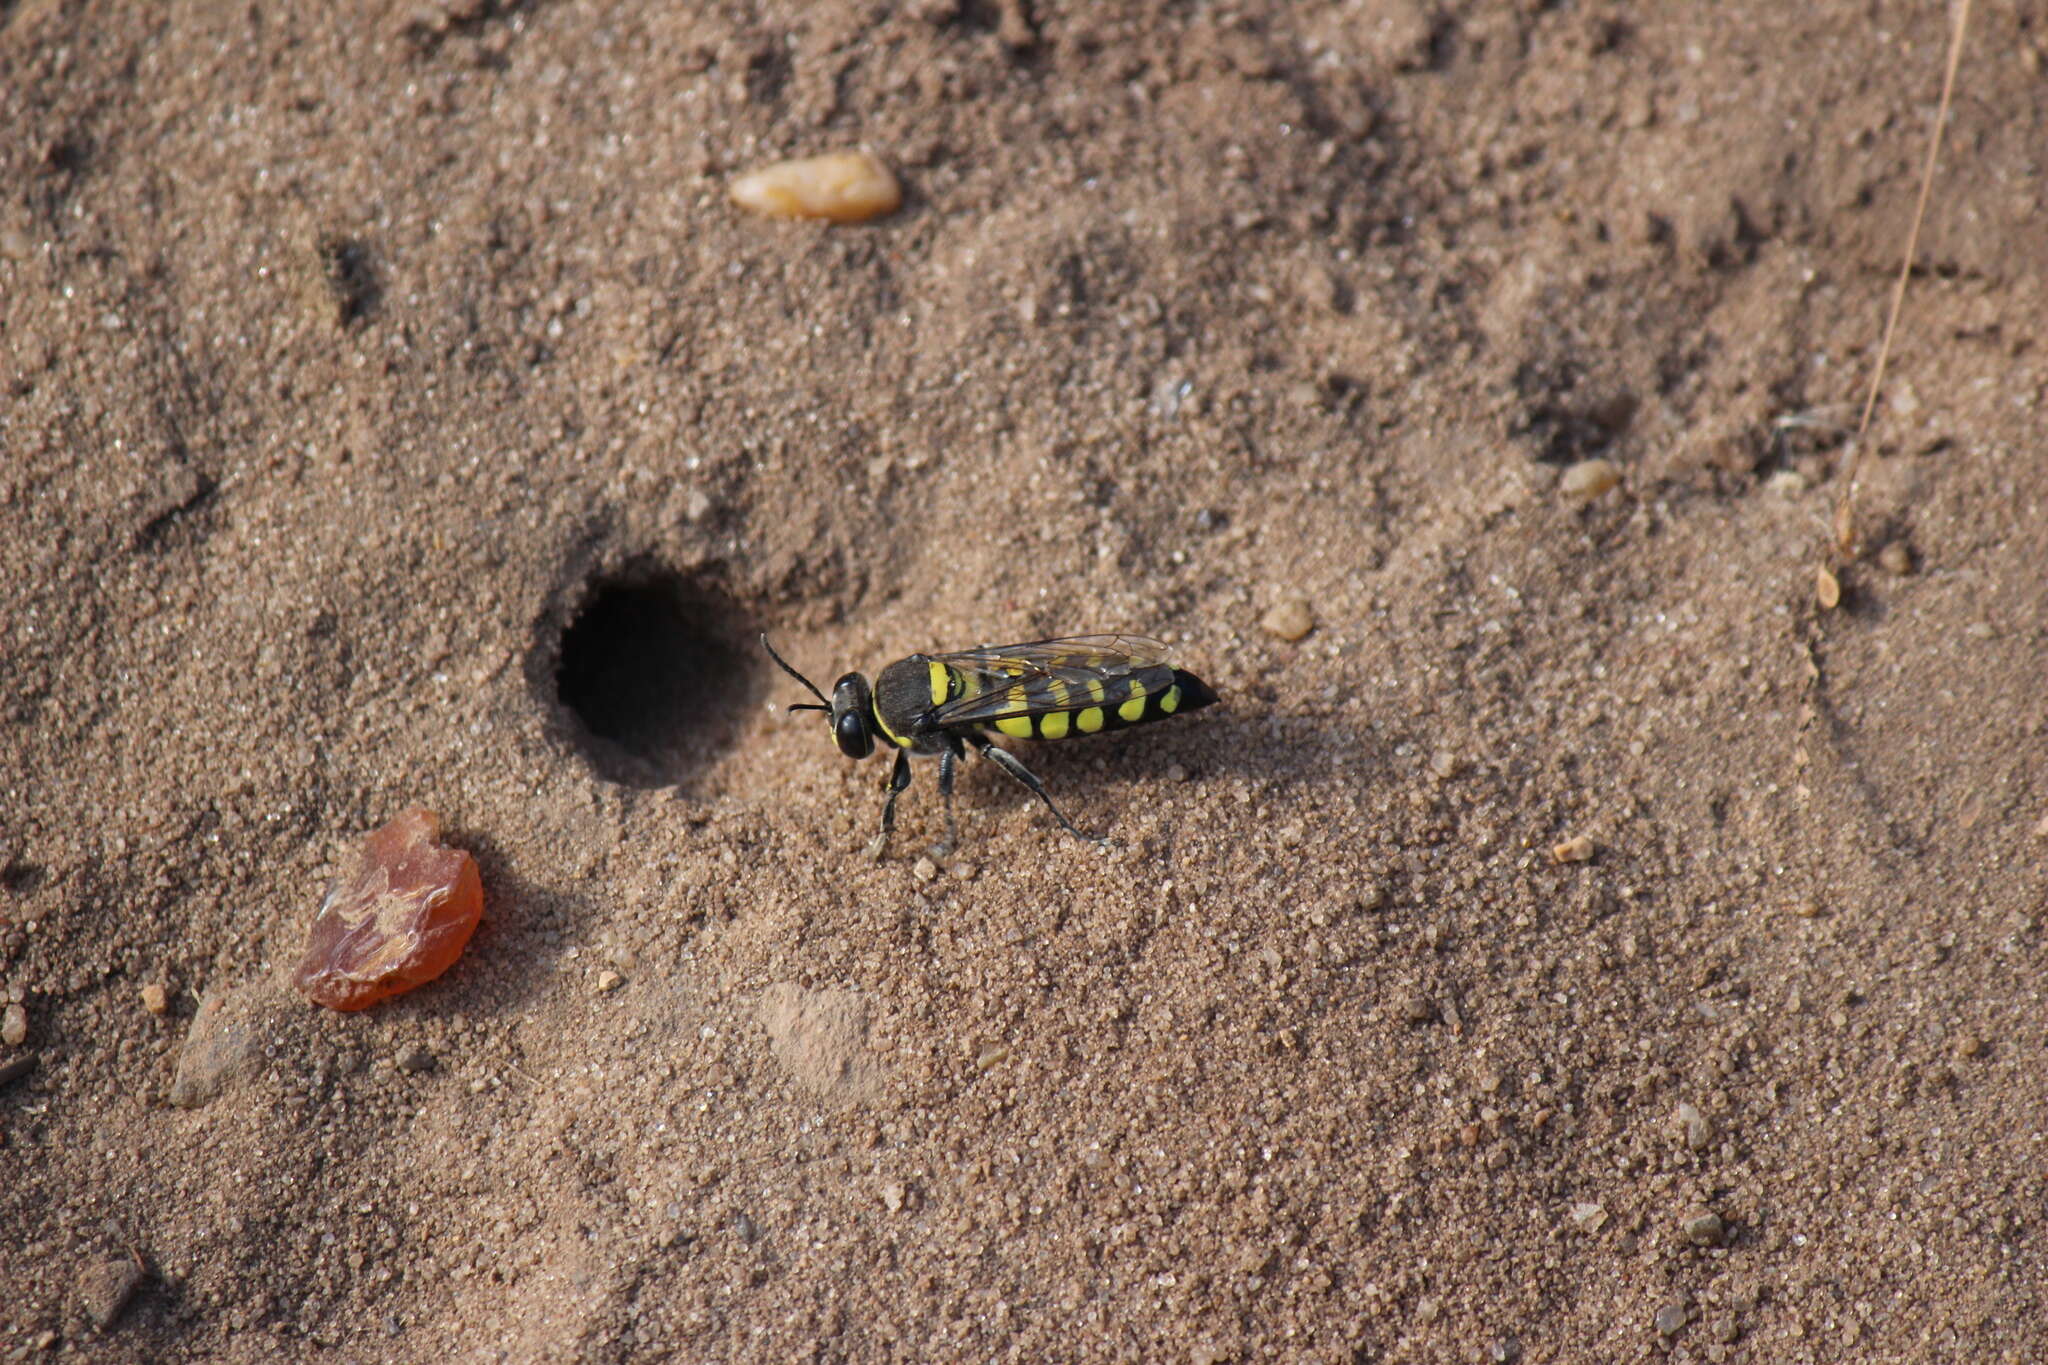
x,y
853,726
851,708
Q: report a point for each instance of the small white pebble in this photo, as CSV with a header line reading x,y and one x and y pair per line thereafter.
x,y
13,1026
1588,479
841,187
924,869
1290,620
1694,1127
609,980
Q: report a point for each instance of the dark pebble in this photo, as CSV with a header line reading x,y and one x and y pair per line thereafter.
x,y
224,1041
105,1288
1704,1228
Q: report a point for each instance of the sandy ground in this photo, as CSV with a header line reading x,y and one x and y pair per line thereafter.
x,y
376,381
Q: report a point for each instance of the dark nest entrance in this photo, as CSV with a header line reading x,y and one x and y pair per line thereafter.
x,y
652,671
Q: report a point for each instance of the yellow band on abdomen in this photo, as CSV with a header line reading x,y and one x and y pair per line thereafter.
x,y
1132,710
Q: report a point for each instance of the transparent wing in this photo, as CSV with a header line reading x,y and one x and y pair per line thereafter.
x,y
1051,675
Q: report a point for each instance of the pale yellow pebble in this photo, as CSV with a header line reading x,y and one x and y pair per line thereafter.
x,y
1289,620
155,998
1577,849
1588,479
842,187
1827,589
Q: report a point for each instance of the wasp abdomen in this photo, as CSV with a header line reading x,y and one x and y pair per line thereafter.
x,y
1087,708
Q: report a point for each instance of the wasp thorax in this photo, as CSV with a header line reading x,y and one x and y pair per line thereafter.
x,y
851,708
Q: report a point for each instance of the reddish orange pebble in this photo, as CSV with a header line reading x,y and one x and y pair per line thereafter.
x,y
397,921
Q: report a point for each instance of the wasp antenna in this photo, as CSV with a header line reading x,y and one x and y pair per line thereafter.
x,y
783,664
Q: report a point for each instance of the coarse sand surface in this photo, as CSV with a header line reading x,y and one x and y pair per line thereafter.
x,y
1564,941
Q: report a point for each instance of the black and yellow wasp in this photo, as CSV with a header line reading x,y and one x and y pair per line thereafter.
x,y
937,705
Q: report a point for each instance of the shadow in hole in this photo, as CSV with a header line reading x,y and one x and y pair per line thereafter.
x,y
653,674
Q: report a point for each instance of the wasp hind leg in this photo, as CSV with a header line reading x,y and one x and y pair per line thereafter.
x,y
949,763
899,778
1010,764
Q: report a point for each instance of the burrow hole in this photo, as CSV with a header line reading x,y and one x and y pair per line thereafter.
x,y
653,673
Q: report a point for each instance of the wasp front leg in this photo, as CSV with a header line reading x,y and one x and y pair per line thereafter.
x,y
899,778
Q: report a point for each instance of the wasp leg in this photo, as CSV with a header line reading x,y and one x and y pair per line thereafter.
x,y
899,778
949,761
1008,762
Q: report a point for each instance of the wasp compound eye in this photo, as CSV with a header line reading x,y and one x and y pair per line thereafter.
x,y
852,733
